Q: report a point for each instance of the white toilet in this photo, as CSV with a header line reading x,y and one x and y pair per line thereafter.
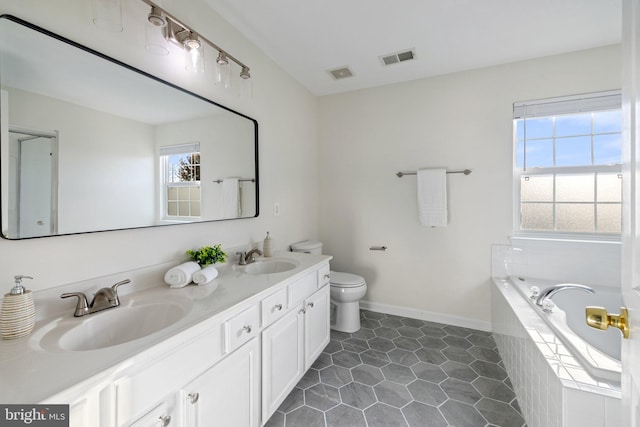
x,y
346,292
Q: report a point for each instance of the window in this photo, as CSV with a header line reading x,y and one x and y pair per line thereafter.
x,y
180,177
567,172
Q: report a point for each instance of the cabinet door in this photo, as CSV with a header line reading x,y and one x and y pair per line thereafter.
x,y
316,325
228,394
282,359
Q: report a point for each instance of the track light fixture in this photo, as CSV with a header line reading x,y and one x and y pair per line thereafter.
x,y
161,29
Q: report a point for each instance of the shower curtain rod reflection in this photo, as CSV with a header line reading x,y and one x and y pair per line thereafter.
x,y
220,181
464,171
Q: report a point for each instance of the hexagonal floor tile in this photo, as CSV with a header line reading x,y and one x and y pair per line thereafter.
x,y
403,357
406,343
375,358
398,373
335,376
429,372
426,392
305,416
392,394
459,342
322,397
385,332
381,415
499,413
294,400
432,343
460,390
430,355
391,322
458,355
459,370
367,374
482,340
416,323
457,331
355,345
494,389
461,414
489,370
343,415
381,344
346,359
358,395
486,354
310,378
419,415
410,332
433,331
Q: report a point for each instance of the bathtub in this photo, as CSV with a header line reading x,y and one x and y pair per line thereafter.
x,y
563,373
597,351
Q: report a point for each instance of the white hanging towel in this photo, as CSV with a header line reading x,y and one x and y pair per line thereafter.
x,y
230,198
432,197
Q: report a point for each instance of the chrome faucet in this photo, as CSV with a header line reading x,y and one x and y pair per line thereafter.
x,y
104,298
552,290
245,258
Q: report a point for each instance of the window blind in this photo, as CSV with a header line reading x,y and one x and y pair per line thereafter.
x,y
180,149
597,101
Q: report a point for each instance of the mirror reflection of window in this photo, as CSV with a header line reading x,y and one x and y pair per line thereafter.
x,y
180,178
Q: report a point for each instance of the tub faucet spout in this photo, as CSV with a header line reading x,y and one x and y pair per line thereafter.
x,y
552,290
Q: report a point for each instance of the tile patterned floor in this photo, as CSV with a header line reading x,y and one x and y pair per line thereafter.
x,y
398,371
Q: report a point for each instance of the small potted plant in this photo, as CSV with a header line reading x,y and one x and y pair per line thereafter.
x,y
207,255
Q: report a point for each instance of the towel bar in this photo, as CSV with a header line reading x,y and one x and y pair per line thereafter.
x,y
464,171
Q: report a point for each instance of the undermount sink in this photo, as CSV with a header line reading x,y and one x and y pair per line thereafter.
x,y
269,266
111,327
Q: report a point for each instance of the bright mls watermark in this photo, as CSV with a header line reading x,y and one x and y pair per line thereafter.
x,y
34,415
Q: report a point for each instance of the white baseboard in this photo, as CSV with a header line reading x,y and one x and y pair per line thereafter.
x,y
427,315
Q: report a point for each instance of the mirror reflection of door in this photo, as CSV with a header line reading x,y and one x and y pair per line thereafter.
x,y
35,192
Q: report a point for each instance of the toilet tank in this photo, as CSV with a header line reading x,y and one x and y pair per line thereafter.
x,y
307,246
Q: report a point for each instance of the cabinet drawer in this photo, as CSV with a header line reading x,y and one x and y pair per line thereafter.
x,y
302,288
324,276
274,306
144,387
241,328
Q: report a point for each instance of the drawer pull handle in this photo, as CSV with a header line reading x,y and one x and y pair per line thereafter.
x,y
310,305
327,276
164,421
193,397
278,307
303,311
247,329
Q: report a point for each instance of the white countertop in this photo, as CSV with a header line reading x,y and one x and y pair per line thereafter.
x,y
31,374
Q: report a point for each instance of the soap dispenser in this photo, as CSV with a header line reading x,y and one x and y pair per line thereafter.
x,y
18,312
267,246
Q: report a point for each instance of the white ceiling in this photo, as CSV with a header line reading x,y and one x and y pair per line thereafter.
x,y
308,38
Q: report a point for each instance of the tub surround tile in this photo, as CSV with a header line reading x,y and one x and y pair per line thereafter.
x,y
404,372
541,369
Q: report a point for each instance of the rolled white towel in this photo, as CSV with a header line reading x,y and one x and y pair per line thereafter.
x,y
181,275
205,275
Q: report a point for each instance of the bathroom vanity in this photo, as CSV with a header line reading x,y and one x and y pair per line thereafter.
x,y
223,356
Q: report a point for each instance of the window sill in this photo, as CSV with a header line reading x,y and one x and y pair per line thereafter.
x,y
598,240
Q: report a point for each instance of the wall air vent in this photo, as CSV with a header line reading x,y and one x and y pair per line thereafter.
x,y
398,57
340,73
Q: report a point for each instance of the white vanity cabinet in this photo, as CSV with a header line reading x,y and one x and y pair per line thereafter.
x,y
228,394
231,367
291,344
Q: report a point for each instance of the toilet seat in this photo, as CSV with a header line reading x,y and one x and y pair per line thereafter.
x,y
345,280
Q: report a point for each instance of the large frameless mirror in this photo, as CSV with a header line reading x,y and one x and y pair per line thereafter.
x,y
90,144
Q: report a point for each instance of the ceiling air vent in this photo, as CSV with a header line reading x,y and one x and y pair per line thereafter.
x,y
397,57
340,73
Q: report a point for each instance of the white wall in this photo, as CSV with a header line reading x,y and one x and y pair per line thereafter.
x,y
457,121
285,111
